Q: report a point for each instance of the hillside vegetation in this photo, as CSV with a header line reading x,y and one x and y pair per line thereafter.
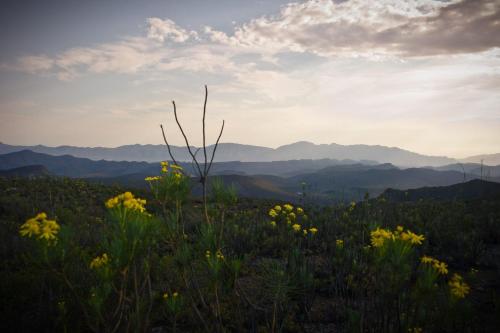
x,y
80,256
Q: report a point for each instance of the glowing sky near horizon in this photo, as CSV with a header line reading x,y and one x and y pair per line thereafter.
x,y
423,75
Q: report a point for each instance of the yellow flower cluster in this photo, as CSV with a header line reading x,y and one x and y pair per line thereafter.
x,y
379,236
174,295
458,287
128,201
339,243
218,255
286,212
415,330
40,226
290,214
152,179
176,167
439,266
164,167
98,262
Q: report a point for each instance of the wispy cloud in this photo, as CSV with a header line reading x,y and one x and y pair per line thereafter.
x,y
162,30
372,29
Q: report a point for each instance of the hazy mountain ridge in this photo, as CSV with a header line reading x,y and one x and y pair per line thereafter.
x,y
26,171
325,179
471,190
70,166
246,153
488,159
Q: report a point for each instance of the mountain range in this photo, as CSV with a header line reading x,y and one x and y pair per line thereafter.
x,y
247,153
324,180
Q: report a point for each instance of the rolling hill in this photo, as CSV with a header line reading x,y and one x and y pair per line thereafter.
x,y
26,171
471,190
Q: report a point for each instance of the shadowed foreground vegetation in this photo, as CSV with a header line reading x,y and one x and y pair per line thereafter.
x,y
85,257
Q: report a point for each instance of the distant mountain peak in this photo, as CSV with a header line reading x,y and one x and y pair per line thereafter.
x,y
300,150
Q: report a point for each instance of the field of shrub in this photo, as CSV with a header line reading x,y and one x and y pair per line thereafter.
x,y
85,257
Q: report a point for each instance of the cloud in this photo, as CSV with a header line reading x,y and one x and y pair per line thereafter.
x,y
126,56
32,64
162,30
361,27
385,29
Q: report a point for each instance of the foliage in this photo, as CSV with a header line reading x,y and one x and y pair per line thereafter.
x,y
85,257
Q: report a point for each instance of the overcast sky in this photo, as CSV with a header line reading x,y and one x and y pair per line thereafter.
x,y
422,75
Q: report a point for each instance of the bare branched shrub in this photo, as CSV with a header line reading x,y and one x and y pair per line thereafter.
x,y
202,170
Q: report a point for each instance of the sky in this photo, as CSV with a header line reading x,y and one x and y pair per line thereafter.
x,y
422,75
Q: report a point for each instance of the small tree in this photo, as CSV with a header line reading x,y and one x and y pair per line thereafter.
x,y
204,171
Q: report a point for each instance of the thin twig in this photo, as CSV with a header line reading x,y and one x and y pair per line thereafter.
x,y
168,146
186,139
215,147
204,142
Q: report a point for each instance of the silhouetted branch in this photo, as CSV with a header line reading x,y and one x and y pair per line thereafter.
x,y
204,143
168,146
215,147
186,139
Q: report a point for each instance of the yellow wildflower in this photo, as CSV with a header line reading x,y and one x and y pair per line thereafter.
x,y
277,208
300,211
458,287
219,255
415,239
165,295
41,227
288,207
176,167
339,243
415,330
440,267
49,230
296,227
175,294
426,260
313,230
30,228
292,216
305,232
272,213
273,224
152,179
379,236
128,201
98,262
